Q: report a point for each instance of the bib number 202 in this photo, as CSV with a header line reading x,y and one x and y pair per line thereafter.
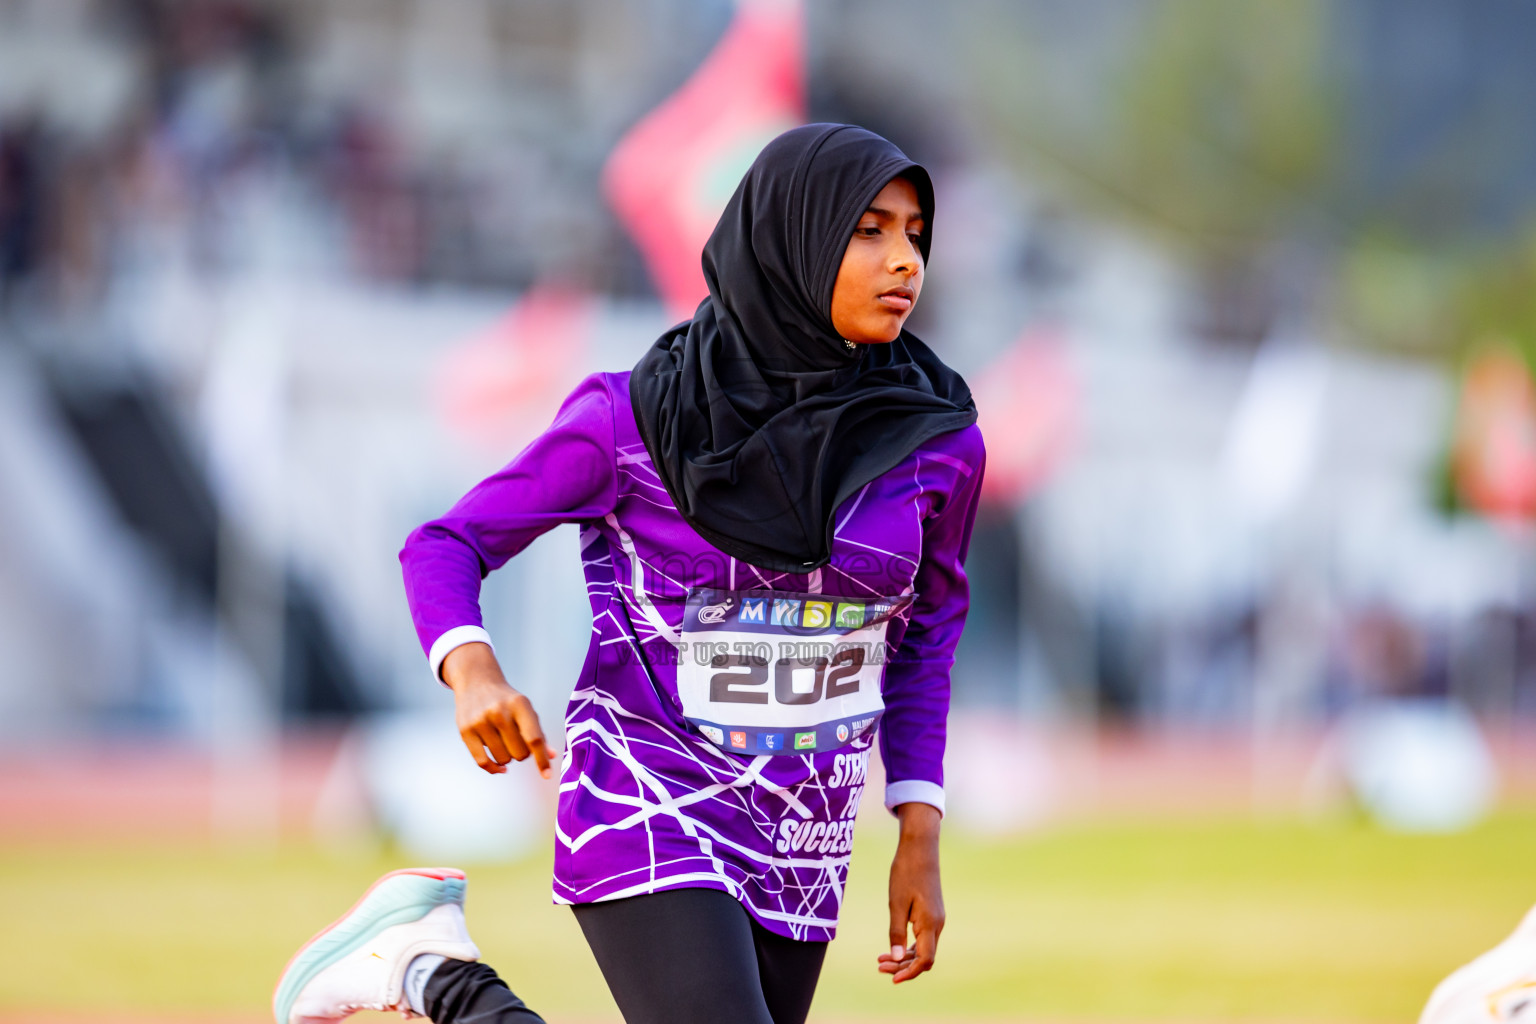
x,y
745,677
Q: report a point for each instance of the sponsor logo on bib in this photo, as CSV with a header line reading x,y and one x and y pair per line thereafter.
x,y
850,615
805,741
713,613
842,733
739,740
753,609
714,735
818,615
770,741
786,613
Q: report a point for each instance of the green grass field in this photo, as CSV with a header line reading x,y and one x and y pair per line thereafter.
x,y
1207,921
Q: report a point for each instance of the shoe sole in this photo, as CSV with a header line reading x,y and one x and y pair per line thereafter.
x,y
399,897
1502,970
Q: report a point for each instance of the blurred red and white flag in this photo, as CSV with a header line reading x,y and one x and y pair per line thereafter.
x,y
1027,404
671,176
1494,449
501,386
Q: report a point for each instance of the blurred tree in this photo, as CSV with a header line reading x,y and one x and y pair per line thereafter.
x,y
1369,155
1212,123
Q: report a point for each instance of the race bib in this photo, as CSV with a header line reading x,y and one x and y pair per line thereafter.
x,y
769,672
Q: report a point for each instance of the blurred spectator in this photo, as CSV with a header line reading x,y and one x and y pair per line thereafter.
x,y
22,202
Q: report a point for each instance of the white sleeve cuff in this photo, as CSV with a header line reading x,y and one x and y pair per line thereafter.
x,y
458,636
914,791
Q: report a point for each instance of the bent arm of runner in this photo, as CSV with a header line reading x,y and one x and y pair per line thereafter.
x,y
496,723
916,896
567,474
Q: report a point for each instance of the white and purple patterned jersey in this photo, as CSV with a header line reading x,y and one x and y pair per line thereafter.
x,y
647,802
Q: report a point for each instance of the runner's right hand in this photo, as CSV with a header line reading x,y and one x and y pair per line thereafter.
x,y
496,723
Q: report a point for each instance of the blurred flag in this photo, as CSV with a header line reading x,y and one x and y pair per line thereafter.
x,y
502,386
1493,459
670,177
1027,403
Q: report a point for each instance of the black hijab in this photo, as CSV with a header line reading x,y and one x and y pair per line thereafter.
x,y
758,417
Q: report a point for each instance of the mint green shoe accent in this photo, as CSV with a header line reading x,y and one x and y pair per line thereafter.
x,y
398,900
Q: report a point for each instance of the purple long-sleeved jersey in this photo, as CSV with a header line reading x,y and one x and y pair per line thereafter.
x,y
647,803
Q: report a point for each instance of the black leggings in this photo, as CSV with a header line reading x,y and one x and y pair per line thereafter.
x,y
684,956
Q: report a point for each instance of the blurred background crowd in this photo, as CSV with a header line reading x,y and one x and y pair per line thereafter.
x,y
1246,290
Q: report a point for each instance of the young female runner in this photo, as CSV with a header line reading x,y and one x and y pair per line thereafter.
x,y
775,507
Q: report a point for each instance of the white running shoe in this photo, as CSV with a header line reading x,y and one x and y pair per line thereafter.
x,y
1498,987
359,961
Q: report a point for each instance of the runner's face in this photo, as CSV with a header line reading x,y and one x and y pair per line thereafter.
x,y
882,271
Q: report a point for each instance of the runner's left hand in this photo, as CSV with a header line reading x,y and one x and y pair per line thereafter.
x,y
916,898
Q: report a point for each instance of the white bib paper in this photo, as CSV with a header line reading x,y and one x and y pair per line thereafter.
x,y
771,672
